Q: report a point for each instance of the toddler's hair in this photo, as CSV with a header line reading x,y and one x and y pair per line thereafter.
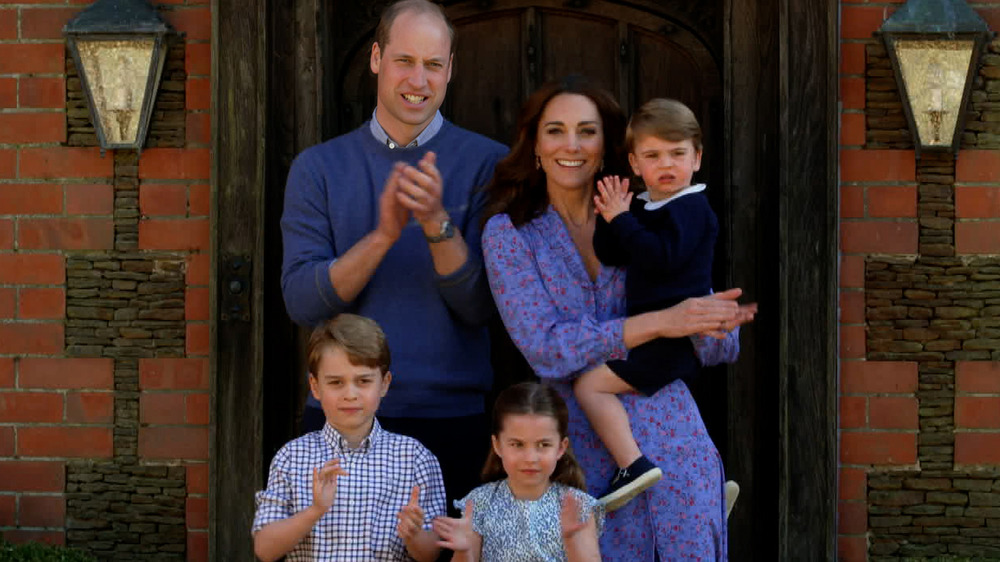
x,y
361,339
666,119
542,400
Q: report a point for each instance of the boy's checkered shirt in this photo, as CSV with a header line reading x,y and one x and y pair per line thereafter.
x,y
361,524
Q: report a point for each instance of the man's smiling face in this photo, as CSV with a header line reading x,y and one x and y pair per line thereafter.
x,y
413,70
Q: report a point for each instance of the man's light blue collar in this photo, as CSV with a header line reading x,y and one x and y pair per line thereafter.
x,y
426,135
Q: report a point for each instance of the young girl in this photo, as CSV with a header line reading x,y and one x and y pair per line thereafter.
x,y
533,507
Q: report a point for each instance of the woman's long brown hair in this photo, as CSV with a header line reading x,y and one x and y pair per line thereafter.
x,y
532,398
518,185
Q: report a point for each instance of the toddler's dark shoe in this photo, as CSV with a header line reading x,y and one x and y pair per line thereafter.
x,y
628,483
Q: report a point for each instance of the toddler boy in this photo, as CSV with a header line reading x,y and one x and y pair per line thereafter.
x,y
665,238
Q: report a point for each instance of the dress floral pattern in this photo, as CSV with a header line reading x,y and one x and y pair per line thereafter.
x,y
565,324
516,530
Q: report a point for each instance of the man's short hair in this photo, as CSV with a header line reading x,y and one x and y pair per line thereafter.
x,y
666,119
361,339
393,11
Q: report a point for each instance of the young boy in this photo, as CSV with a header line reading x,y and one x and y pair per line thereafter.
x,y
350,491
665,238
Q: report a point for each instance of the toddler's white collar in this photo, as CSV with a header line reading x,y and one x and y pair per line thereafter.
x,y
654,205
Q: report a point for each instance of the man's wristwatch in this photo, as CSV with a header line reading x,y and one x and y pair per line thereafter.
x,y
447,231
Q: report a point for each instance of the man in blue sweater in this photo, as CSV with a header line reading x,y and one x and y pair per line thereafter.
x,y
384,222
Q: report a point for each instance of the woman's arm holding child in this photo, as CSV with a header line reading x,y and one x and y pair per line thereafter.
x,y
276,539
420,543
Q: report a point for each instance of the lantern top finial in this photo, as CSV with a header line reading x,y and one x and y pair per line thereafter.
x,y
117,16
935,16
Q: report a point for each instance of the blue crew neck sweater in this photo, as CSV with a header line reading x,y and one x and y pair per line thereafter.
x,y
435,325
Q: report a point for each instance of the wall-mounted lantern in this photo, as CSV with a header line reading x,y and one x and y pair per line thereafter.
x,y
935,47
118,47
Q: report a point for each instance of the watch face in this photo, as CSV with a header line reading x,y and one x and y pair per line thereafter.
x,y
447,231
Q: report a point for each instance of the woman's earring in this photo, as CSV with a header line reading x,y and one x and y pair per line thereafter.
x,y
601,167
538,162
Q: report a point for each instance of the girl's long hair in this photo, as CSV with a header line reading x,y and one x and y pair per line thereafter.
x,y
518,185
534,398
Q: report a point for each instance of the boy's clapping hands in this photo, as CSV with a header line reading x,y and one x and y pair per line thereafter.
x,y
420,543
411,516
324,483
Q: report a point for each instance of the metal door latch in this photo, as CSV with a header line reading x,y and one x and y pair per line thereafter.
x,y
235,288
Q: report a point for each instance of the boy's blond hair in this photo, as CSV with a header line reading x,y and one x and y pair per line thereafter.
x,y
361,339
665,119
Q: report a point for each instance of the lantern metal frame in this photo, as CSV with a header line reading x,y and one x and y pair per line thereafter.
x,y
935,21
120,20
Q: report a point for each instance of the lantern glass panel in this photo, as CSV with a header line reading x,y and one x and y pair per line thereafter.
x,y
117,74
934,72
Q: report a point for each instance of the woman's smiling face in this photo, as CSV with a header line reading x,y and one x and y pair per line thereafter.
x,y
570,142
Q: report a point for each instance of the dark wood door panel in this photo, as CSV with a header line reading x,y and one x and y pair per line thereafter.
x,y
486,86
575,43
508,48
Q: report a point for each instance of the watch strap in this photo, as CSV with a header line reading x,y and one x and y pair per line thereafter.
x,y
447,231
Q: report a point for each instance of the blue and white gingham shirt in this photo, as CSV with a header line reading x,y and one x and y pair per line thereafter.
x,y
361,524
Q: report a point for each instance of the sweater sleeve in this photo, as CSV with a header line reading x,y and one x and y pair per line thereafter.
x,y
308,244
555,345
466,290
606,244
679,235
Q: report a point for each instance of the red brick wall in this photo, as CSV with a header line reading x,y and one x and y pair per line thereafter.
x,y
879,426
55,200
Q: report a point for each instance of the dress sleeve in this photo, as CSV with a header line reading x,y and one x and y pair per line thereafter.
x,y
589,507
556,345
713,351
274,503
480,498
606,245
308,248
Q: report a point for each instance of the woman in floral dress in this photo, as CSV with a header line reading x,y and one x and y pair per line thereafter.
x,y
564,311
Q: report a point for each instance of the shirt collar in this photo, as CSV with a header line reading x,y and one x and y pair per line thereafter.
x,y
339,444
654,205
426,135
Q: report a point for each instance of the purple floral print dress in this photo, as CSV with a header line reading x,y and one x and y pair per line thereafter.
x,y
565,324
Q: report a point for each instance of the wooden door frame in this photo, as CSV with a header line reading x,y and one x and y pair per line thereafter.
x,y
782,133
